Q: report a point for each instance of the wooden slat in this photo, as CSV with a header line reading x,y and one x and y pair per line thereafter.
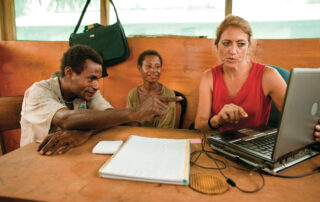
x,y
10,109
2,33
104,14
288,53
184,61
7,20
24,62
228,7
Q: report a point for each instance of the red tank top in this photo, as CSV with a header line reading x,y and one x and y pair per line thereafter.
x,y
250,97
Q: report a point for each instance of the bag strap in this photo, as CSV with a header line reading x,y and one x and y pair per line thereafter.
x,y
84,10
81,16
115,10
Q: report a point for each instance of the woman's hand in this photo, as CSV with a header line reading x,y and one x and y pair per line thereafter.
x,y
62,141
230,113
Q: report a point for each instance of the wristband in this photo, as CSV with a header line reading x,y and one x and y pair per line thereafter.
x,y
209,124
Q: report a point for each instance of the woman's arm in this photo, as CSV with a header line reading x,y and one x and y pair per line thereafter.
x,y
274,86
205,101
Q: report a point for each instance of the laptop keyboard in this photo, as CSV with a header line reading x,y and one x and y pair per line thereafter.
x,y
262,144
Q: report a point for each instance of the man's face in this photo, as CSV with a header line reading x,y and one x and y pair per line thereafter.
x,y
86,84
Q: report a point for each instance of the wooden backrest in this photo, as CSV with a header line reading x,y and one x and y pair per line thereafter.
x,y
184,60
10,112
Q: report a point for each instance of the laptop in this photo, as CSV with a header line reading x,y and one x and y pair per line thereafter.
x,y
275,149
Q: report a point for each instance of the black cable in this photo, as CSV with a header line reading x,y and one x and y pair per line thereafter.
x,y
228,180
233,184
256,190
203,151
194,162
317,170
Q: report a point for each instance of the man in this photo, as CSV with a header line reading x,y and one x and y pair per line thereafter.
x,y
70,107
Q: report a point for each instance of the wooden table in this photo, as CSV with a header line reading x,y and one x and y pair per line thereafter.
x,y
24,174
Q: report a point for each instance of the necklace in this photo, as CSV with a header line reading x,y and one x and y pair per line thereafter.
x,y
68,102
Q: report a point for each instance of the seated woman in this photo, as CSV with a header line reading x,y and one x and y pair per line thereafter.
x,y
238,93
149,65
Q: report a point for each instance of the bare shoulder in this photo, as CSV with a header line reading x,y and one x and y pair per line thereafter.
x,y
206,82
270,74
207,75
270,71
272,80
207,71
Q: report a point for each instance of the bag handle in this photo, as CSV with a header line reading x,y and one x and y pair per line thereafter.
x,y
85,9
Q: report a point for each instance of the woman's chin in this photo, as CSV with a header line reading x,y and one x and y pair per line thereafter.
x,y
152,80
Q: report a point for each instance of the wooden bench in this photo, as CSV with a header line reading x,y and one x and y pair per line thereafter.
x,y
10,109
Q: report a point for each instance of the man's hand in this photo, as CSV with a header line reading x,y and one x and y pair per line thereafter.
x,y
62,141
231,113
155,105
317,132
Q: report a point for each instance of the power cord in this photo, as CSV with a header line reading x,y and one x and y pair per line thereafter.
x,y
228,180
224,166
317,170
233,183
203,151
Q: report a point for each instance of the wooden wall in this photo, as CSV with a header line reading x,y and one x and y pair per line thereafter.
x,y
184,60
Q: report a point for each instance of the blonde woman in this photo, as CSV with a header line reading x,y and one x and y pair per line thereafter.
x,y
237,93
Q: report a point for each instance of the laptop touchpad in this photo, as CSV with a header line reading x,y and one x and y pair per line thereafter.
x,y
232,135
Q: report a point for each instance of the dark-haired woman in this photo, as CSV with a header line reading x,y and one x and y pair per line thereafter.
x,y
150,66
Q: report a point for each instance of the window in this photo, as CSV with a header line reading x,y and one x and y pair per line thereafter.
x,y
52,20
169,17
281,19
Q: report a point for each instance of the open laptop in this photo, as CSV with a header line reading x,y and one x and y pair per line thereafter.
x,y
292,142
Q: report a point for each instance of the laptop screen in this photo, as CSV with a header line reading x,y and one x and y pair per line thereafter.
x,y
300,113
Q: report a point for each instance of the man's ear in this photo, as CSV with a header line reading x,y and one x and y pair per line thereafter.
x,y
68,71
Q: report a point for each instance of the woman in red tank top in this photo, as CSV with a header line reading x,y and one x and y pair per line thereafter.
x,y
237,93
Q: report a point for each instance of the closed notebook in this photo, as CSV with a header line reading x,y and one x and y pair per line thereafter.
x,y
150,160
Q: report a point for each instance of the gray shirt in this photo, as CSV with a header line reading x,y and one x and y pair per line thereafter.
x,y
41,101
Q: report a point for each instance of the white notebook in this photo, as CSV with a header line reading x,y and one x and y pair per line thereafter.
x,y
150,160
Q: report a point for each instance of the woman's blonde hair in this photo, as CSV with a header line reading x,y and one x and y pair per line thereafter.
x,y
232,20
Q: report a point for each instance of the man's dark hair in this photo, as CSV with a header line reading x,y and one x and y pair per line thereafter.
x,y
145,53
76,56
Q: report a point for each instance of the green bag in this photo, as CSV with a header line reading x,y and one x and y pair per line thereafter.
x,y
109,41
